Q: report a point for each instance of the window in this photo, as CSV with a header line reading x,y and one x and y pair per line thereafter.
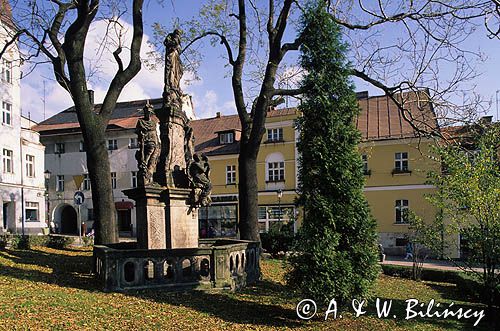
x,y
276,171
8,162
231,174
275,134
218,221
86,182
401,211
134,179
113,180
82,146
401,241
226,138
6,71
59,148
6,113
364,159
30,165
31,211
112,144
274,216
133,143
90,214
401,162
60,183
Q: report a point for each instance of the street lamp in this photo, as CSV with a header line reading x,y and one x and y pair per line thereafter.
x,y
47,174
280,195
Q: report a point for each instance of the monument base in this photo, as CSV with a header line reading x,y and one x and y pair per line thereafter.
x,y
181,220
150,216
165,219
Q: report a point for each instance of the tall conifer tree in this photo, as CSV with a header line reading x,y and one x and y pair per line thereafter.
x,y
337,241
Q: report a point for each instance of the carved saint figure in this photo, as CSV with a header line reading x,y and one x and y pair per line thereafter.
x,y
188,144
173,69
199,171
149,147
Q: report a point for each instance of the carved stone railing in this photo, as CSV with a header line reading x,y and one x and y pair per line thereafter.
x,y
221,264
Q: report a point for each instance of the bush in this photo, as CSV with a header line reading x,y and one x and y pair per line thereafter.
x,y
38,240
18,241
278,239
3,241
59,242
88,241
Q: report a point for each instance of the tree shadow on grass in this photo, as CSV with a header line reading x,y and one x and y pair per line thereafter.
x,y
66,270
452,292
262,304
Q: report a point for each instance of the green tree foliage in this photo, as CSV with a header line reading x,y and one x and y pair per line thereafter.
x,y
468,193
337,255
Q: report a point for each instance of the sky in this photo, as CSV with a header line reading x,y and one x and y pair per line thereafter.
x,y
42,97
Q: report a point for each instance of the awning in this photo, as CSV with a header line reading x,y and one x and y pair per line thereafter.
x,y
124,205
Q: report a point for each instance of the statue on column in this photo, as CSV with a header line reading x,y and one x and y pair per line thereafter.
x,y
172,94
149,147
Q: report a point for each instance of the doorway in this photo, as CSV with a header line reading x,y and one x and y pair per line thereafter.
x,y
5,215
124,220
69,221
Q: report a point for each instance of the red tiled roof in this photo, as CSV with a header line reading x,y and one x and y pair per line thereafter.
x,y
379,119
206,139
126,123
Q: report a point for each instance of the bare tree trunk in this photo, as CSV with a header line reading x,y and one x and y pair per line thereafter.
x,y
106,228
248,194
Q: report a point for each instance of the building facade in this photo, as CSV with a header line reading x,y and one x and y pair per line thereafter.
x,y
22,187
396,161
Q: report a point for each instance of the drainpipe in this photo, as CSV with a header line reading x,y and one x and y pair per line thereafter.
x,y
22,185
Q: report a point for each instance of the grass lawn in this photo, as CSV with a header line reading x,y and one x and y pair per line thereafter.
x,y
52,289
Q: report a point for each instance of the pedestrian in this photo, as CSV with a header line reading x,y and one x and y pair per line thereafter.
x,y
409,251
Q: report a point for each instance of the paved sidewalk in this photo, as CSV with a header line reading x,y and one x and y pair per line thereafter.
x,y
429,264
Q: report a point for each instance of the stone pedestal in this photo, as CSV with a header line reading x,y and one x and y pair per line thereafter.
x,y
164,217
150,217
181,220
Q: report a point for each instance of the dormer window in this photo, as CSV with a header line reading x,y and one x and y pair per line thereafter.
x,y
226,138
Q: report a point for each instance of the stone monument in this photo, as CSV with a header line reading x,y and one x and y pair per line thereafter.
x,y
172,180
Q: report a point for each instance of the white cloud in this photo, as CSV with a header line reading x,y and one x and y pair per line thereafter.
x,y
208,105
147,84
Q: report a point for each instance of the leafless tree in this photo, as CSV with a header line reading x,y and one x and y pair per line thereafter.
x,y
56,31
414,51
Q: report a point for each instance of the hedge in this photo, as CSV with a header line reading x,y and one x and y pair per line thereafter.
x,y
464,282
18,241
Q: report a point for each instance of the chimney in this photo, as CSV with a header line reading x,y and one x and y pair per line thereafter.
x,y
217,114
91,96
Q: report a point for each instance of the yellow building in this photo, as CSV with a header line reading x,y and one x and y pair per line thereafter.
x,y
396,161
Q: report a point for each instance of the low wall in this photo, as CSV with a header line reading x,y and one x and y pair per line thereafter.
x,y
215,264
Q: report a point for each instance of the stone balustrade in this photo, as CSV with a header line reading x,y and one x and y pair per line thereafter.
x,y
216,263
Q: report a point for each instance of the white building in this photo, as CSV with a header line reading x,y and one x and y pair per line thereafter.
x,y
66,159
22,185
